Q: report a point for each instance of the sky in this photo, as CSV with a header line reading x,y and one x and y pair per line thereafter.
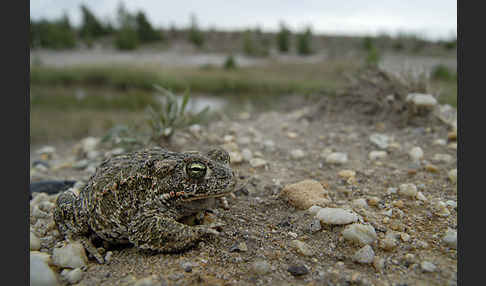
x,y
432,19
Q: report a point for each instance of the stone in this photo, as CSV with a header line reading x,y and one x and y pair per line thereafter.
x,y
453,176
440,142
257,162
314,210
337,158
422,100
359,203
376,155
298,270
431,168
416,154
442,158
373,201
336,216
452,136
315,226
151,280
71,255
72,276
378,263
239,247
297,154
390,241
246,154
346,174
261,267
379,140
305,194
360,233
40,272
364,255
302,247
450,238
427,266
421,197
235,157
292,135
35,243
408,190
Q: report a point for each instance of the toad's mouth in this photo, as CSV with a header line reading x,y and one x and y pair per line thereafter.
x,y
202,197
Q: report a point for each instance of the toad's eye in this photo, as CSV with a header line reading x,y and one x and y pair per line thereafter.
x,y
196,170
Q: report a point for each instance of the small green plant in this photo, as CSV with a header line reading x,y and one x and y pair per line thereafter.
x,y
229,63
304,42
195,35
126,39
441,72
368,43
171,114
373,57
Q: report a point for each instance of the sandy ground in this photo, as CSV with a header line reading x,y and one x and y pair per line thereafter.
x,y
267,224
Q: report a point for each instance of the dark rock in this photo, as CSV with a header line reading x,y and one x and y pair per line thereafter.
x,y
50,187
298,270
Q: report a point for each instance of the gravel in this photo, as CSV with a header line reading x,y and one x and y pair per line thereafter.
x,y
72,276
377,155
416,154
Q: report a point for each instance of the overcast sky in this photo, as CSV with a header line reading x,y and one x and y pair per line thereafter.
x,y
433,19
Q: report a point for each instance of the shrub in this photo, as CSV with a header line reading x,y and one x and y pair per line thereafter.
x,y
283,39
195,35
126,39
91,27
146,33
441,72
304,42
373,57
229,63
57,34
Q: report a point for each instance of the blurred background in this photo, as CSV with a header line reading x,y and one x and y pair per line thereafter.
x,y
94,64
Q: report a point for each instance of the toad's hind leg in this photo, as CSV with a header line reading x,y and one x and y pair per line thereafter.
x,y
73,223
152,231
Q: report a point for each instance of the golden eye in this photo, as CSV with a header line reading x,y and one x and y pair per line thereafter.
x,y
196,170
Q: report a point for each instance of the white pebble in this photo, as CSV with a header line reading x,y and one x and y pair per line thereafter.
x,y
453,175
364,255
428,266
422,100
376,155
71,255
359,203
336,216
443,158
302,247
35,243
246,154
359,233
40,272
421,197
409,190
257,162
314,210
337,158
416,153
379,140
72,276
297,154
235,157
450,238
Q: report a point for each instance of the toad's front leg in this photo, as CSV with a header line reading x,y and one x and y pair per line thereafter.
x,y
155,231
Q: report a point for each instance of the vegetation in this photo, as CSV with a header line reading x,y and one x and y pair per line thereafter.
x,y
372,54
57,34
441,72
254,44
283,39
304,42
170,114
229,63
195,35
126,37
91,27
145,31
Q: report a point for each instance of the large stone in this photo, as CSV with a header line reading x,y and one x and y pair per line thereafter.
x,y
380,140
40,272
364,255
337,158
336,216
360,233
422,100
305,194
408,190
35,243
71,255
416,154
450,238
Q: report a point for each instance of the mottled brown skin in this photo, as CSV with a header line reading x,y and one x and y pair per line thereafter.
x,y
139,197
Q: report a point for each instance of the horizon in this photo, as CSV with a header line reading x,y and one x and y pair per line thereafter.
x,y
356,19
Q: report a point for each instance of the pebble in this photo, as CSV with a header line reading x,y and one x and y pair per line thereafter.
x,y
431,168
450,238
452,146
235,157
269,144
298,270
380,140
228,138
373,201
72,276
452,136
257,162
391,190
451,203
292,135
148,281
360,233
336,216
359,203
40,272
408,190
346,174
47,150
305,194
416,154
261,267
315,226
364,255
302,247
71,255
453,175
441,209
314,210
337,158
35,243
108,256
422,100
239,247
246,154
404,236
376,155
187,266
443,158
297,154
428,266
440,142
195,129
390,241
378,263
421,197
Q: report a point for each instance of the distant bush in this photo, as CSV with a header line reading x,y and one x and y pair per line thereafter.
x,y
373,57
398,45
126,37
229,63
57,34
450,45
146,33
441,72
254,44
283,39
304,41
368,43
195,35
91,27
